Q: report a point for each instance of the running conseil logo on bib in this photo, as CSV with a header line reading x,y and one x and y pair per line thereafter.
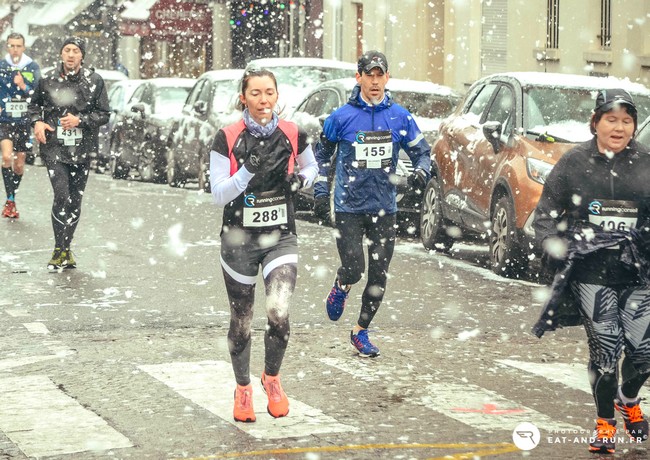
x,y
249,200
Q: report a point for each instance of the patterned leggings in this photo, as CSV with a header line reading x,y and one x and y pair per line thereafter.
x,y
615,319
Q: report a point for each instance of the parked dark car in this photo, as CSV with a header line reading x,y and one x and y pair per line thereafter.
x,y
141,133
494,152
201,116
118,95
429,103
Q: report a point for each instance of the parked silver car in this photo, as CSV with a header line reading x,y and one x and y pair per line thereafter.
x,y
202,115
141,134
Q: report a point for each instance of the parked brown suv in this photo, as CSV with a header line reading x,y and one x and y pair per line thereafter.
x,y
494,152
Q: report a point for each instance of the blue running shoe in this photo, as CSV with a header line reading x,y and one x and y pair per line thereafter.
x,y
336,301
361,342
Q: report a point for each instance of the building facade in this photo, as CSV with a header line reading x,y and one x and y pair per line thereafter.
x,y
452,42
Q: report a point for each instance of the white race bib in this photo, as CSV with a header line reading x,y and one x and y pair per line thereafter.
x,y
373,149
69,136
16,109
265,210
614,215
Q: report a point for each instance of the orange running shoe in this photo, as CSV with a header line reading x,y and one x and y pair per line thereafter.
x,y
604,437
10,210
278,401
243,411
634,423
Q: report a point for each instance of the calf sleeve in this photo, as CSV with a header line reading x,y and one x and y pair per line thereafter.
x,y
604,385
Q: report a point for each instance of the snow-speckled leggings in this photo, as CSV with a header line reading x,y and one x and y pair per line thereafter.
x,y
380,233
68,184
241,254
615,319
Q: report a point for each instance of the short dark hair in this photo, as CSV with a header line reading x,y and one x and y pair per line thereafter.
x,y
15,36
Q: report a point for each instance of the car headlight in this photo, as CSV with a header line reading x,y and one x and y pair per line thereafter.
x,y
538,170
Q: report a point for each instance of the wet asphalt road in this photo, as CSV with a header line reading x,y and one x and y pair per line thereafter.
x,y
134,340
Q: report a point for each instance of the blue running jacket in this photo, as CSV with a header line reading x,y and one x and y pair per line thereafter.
x,y
367,140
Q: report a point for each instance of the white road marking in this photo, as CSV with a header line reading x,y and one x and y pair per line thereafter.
x,y
36,328
485,410
43,421
573,375
17,313
211,385
6,364
477,407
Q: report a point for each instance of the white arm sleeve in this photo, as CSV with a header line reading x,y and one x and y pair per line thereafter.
x,y
308,166
225,187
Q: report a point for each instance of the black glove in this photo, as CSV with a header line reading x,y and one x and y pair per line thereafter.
x,y
294,182
417,180
322,207
254,161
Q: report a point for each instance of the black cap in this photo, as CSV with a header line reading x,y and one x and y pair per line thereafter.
x,y
371,59
608,98
78,42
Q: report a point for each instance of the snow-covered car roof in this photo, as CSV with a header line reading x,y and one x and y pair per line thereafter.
x,y
224,74
550,79
402,84
172,81
300,61
113,75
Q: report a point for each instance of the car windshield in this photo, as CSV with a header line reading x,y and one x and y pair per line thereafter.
x,y
564,113
223,95
307,76
170,100
429,109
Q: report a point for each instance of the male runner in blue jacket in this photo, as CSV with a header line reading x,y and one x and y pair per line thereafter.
x,y
366,135
18,77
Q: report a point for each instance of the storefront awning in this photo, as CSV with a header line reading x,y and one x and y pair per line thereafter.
x,y
166,19
137,10
47,13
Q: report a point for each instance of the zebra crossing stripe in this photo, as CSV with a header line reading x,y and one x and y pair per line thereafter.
x,y
43,421
211,385
484,409
472,405
572,375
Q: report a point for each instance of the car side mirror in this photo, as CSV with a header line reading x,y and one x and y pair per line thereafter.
x,y
200,107
138,107
492,132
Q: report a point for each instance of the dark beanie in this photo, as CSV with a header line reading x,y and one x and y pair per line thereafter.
x,y
78,42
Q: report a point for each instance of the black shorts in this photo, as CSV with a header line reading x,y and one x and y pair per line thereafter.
x,y
243,252
18,133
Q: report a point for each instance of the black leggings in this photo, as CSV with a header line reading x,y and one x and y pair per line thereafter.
x,y
68,183
280,284
615,319
380,233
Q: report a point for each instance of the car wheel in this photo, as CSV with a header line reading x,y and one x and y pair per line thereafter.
x,y
174,174
146,164
433,229
204,174
507,257
118,169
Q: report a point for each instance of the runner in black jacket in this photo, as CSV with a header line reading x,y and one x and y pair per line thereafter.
x,y
601,185
69,105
